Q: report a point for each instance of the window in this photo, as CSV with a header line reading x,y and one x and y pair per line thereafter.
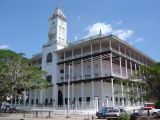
x,y
36,101
61,71
49,57
80,99
88,99
49,78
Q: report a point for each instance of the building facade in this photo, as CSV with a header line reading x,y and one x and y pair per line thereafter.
x,y
87,70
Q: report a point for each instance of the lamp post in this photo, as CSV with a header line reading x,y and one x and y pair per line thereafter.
x,y
68,100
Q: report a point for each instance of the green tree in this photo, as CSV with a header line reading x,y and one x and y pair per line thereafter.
x,y
16,74
150,76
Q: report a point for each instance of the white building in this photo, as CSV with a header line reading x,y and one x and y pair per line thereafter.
x,y
92,66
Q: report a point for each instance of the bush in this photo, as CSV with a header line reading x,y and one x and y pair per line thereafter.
x,y
124,116
133,117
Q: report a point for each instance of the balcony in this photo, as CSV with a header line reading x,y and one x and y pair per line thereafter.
x,y
83,55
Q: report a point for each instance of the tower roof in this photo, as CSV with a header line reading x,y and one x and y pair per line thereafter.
x,y
59,13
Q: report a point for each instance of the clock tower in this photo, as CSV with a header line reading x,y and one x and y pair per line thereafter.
x,y
58,29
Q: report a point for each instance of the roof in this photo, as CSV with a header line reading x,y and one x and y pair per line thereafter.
x,y
97,37
58,13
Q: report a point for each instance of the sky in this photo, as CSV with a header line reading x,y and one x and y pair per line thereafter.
x,y
24,23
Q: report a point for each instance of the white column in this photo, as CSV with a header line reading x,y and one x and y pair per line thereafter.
x,y
82,92
131,68
101,66
101,61
92,76
72,91
120,65
102,93
64,74
92,90
91,63
122,93
82,76
128,99
35,96
135,65
44,95
72,70
126,68
64,94
138,95
68,100
111,67
112,91
133,92
141,95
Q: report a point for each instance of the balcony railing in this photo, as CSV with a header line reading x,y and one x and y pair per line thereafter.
x,y
84,54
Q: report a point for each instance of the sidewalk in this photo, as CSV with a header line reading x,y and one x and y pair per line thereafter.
x,y
55,117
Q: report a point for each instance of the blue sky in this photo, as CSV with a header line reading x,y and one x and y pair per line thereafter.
x,y
24,23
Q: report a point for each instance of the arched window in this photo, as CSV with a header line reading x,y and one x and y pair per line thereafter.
x,y
49,57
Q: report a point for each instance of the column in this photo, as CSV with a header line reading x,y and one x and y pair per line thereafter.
x,y
64,77
35,96
101,66
92,91
91,63
111,67
82,76
128,91
138,96
68,103
131,68
133,92
64,94
135,65
72,91
72,70
141,95
102,93
126,68
82,93
101,61
120,65
112,84
44,95
64,74
122,93
92,76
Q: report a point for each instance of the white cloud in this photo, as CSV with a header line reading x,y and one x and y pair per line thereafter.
x,y
95,29
137,40
118,22
123,34
4,46
75,38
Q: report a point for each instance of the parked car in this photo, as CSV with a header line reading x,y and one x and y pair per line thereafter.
x,y
143,111
7,108
102,113
114,113
149,105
